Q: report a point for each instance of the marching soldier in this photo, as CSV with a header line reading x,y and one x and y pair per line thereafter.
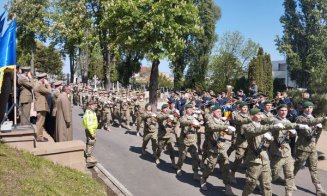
x,y
124,109
139,110
267,116
306,145
238,120
188,140
150,131
216,129
280,150
166,138
257,159
25,82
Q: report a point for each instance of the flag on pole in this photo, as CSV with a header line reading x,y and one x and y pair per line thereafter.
x,y
8,50
2,22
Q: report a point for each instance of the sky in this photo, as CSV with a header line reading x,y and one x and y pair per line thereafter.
x,y
255,19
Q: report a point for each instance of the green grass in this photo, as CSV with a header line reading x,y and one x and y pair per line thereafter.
x,y
21,173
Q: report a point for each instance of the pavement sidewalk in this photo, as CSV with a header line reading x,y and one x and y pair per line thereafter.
x,y
322,147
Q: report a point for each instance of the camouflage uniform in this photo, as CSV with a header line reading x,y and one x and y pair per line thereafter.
x,y
233,140
166,138
188,143
257,159
306,149
125,113
139,110
215,130
241,144
150,133
280,152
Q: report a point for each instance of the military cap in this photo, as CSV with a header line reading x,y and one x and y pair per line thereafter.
x,y
237,103
25,69
307,104
164,106
254,111
58,83
91,102
187,106
215,107
266,102
41,75
281,106
242,104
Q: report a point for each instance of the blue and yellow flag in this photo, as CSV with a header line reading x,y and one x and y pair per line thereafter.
x,y
2,22
8,50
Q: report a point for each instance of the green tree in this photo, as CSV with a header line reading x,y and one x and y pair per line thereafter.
x,y
33,20
230,62
224,69
260,70
304,42
200,46
155,28
48,60
71,30
164,81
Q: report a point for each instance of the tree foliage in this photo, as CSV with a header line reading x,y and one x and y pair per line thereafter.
x,y
260,70
304,42
154,28
200,45
229,64
33,19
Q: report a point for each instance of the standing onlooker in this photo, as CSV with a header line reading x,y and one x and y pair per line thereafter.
x,y
253,89
41,90
64,131
25,82
90,122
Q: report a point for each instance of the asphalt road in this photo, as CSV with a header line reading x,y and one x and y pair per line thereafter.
x,y
119,151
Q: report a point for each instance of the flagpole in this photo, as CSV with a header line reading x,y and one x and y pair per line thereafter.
x,y
15,97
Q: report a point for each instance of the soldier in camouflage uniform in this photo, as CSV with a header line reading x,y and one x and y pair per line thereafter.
x,y
150,133
166,139
107,115
216,129
139,111
257,159
124,109
233,140
267,116
306,145
280,150
238,120
116,109
132,114
188,140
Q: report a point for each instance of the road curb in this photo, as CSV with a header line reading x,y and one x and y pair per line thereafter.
x,y
111,181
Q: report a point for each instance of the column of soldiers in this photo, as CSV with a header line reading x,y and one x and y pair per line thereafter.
x,y
260,137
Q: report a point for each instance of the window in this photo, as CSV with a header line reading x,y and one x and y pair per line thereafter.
x,y
282,67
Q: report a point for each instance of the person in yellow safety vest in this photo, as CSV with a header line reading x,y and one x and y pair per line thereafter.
x,y
90,122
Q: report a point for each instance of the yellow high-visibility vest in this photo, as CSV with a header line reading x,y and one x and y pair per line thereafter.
x,y
90,121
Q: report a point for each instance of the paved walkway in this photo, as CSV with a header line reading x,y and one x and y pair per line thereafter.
x,y
119,152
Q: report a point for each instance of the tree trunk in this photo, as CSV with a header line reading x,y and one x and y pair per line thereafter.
x,y
72,67
32,60
153,86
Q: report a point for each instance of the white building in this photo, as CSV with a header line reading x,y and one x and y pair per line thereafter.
x,y
280,71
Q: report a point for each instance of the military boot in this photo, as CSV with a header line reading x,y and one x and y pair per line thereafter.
x,y
203,184
173,162
320,191
196,176
157,161
143,151
179,172
288,193
91,160
228,190
294,187
232,178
